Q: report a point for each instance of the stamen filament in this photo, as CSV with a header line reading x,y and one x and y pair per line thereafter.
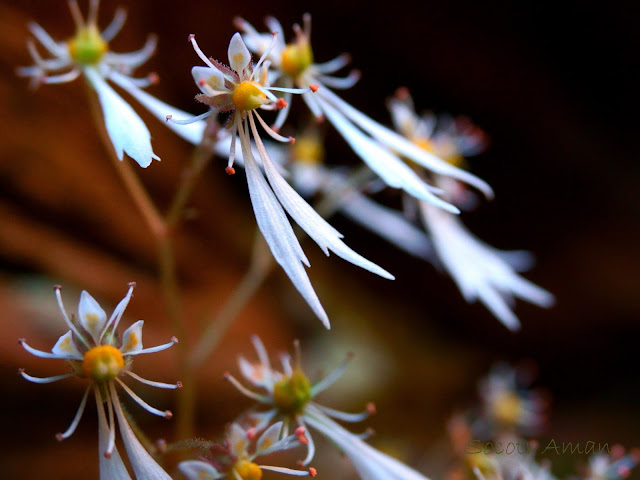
x,y
330,379
291,90
136,58
341,83
269,130
263,356
118,311
203,57
44,379
152,383
41,354
111,443
264,55
166,414
76,418
347,417
332,65
284,113
76,14
115,26
311,447
71,326
159,348
245,391
47,42
92,16
232,150
288,471
62,78
188,121
285,360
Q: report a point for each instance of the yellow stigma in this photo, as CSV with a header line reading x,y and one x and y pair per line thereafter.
x,y
309,150
507,408
296,58
102,363
247,96
291,394
246,470
87,47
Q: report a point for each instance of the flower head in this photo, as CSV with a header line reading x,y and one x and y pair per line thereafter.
x,y
238,462
90,348
289,396
87,53
614,466
243,89
379,147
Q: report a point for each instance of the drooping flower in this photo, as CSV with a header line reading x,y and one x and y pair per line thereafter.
x,y
238,463
90,349
87,53
243,89
480,271
379,147
288,395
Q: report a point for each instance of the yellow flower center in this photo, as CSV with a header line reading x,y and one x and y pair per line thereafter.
x,y
449,155
296,58
87,47
246,470
309,150
508,408
291,394
102,363
247,96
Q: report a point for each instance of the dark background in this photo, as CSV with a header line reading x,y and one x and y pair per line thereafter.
x,y
553,84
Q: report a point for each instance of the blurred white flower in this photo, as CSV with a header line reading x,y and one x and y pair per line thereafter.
x,y
289,395
614,466
243,89
88,53
89,348
379,147
240,464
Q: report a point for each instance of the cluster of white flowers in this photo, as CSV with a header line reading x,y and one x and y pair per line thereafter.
x,y
424,159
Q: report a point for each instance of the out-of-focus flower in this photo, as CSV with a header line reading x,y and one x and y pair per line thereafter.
x,y
508,404
289,395
379,147
87,53
242,90
239,463
613,466
480,271
513,467
90,349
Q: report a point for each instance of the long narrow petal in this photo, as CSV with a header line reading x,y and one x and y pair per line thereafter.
x,y
113,467
387,165
127,131
192,133
370,463
327,237
277,231
144,466
115,26
402,145
198,470
386,223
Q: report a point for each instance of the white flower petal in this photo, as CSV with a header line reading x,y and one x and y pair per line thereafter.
x,y
370,463
197,470
327,237
403,146
478,270
387,165
269,437
132,338
192,132
110,468
277,231
91,315
66,346
239,56
256,373
144,466
127,131
238,441
403,117
212,76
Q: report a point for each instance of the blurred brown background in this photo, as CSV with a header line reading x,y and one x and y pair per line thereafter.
x,y
555,87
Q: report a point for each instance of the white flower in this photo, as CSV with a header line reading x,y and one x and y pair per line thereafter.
x,y
289,394
89,348
240,465
480,271
379,147
613,466
242,90
87,53
507,404
513,467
